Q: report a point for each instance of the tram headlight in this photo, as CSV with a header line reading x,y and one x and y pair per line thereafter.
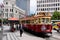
x,y
43,28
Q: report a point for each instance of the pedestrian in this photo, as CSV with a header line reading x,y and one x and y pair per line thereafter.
x,y
21,30
18,26
15,26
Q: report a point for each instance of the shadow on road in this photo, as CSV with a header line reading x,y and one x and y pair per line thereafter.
x,y
38,35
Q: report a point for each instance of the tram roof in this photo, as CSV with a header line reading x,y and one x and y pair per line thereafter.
x,y
35,17
40,15
27,18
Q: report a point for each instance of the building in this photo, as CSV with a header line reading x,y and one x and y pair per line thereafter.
x,y
28,5
24,4
12,10
1,10
48,5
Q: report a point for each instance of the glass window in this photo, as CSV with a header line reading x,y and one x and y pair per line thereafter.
x,y
58,8
6,10
6,2
39,20
16,11
11,10
43,9
58,4
37,1
43,20
6,14
47,20
43,5
37,9
28,21
11,15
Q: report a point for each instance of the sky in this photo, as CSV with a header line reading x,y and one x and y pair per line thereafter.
x,y
33,6
1,1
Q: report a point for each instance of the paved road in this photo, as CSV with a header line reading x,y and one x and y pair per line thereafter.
x,y
16,36
1,35
28,36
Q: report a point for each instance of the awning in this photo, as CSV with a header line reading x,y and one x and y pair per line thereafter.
x,y
13,19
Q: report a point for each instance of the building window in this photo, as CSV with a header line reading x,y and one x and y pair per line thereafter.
x,y
43,9
16,11
58,8
11,10
37,1
58,4
6,10
11,14
37,9
6,2
6,14
43,5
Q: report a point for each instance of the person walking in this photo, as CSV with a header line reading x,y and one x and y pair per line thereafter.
x,y
21,30
15,26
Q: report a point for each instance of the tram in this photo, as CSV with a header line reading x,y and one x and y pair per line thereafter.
x,y
39,23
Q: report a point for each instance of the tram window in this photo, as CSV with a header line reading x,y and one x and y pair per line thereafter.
x,y
28,21
23,21
35,21
32,21
47,20
43,20
39,20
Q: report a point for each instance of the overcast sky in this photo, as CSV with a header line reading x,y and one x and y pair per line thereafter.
x,y
33,6
1,1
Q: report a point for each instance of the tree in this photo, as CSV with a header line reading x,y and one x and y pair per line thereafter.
x,y
56,16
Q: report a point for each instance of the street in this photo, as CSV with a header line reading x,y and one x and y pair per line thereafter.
x,y
27,36
1,34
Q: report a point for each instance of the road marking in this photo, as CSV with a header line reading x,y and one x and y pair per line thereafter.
x,y
15,36
12,37
55,36
4,38
8,37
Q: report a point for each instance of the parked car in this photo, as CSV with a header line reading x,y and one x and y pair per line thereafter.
x,y
56,27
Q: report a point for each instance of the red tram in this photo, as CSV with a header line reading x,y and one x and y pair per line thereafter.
x,y
40,23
